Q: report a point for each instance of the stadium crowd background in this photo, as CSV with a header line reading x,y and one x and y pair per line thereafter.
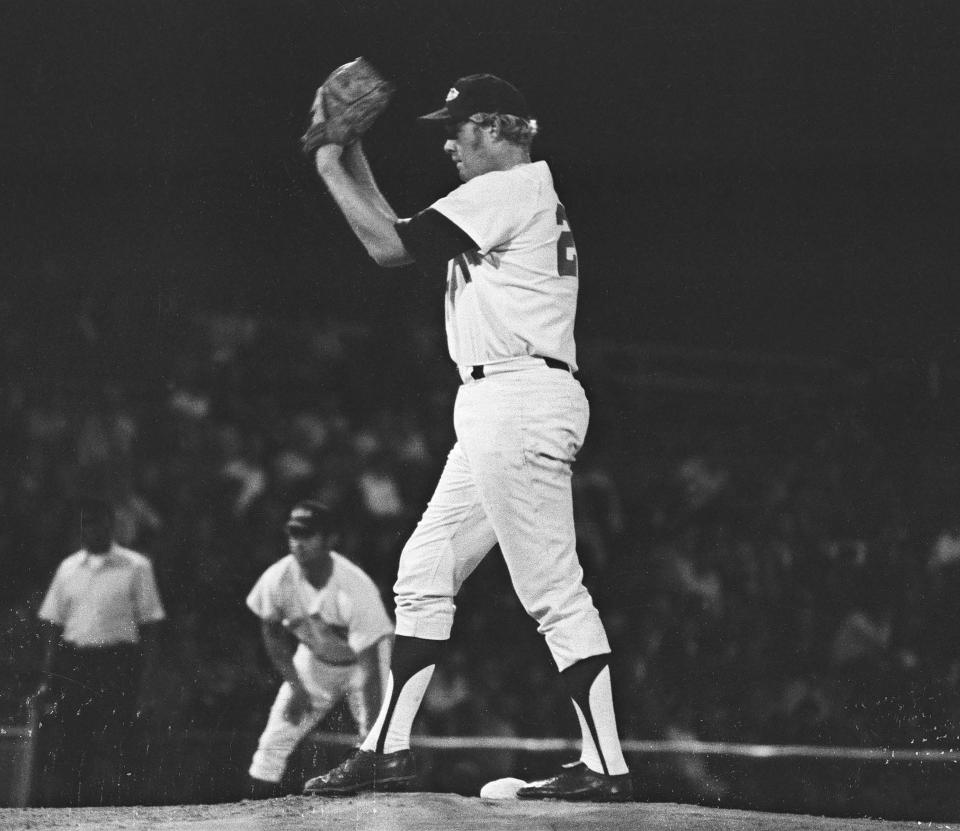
x,y
773,567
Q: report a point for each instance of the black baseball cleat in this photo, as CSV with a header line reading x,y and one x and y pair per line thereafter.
x,y
364,770
578,783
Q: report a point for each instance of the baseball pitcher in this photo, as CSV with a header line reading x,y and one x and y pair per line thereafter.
x,y
520,417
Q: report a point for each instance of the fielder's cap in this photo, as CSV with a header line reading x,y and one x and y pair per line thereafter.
x,y
482,93
309,517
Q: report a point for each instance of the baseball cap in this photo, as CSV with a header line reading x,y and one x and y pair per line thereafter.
x,y
309,517
483,93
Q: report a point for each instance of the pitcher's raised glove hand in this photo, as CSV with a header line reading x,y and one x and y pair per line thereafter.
x,y
346,105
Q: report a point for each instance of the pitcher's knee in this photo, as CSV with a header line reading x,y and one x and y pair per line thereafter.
x,y
424,617
572,638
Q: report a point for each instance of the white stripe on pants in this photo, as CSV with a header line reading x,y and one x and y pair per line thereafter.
x,y
326,685
507,480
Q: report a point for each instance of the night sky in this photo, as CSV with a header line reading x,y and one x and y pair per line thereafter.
x,y
769,175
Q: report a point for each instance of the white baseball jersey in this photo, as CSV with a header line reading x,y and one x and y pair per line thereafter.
x,y
333,624
336,622
516,295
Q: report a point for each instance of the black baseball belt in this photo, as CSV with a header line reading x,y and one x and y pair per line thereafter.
x,y
477,372
335,662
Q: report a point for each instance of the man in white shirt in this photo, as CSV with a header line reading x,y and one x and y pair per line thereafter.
x,y
100,610
521,415
326,632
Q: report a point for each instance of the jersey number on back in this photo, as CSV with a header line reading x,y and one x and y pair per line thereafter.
x,y
566,250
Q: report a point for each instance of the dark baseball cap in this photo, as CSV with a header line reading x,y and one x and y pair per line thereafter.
x,y
482,93
309,517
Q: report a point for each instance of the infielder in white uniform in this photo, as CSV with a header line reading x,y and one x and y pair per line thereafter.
x,y
325,628
520,418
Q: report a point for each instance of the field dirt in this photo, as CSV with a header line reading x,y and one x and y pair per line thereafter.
x,y
429,812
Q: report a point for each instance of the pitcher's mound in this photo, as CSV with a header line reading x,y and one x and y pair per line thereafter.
x,y
426,812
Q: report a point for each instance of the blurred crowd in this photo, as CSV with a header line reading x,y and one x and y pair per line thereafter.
x,y
774,571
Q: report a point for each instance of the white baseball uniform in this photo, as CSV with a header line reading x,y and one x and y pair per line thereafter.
x,y
333,624
510,306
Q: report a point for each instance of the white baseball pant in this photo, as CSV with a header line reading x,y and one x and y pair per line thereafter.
x,y
507,480
326,685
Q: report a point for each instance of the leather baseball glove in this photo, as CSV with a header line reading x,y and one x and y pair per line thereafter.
x,y
346,105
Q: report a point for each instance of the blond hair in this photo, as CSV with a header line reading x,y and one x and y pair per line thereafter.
x,y
511,128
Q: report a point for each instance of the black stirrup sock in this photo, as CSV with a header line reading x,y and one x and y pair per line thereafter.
x,y
411,656
587,682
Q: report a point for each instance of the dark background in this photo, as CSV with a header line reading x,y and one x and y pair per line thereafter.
x,y
773,176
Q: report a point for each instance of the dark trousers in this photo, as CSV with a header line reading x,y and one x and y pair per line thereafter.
x,y
85,733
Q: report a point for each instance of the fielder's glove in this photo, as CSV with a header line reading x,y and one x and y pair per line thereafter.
x,y
346,104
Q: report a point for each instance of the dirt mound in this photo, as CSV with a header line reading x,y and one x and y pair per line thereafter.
x,y
426,812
